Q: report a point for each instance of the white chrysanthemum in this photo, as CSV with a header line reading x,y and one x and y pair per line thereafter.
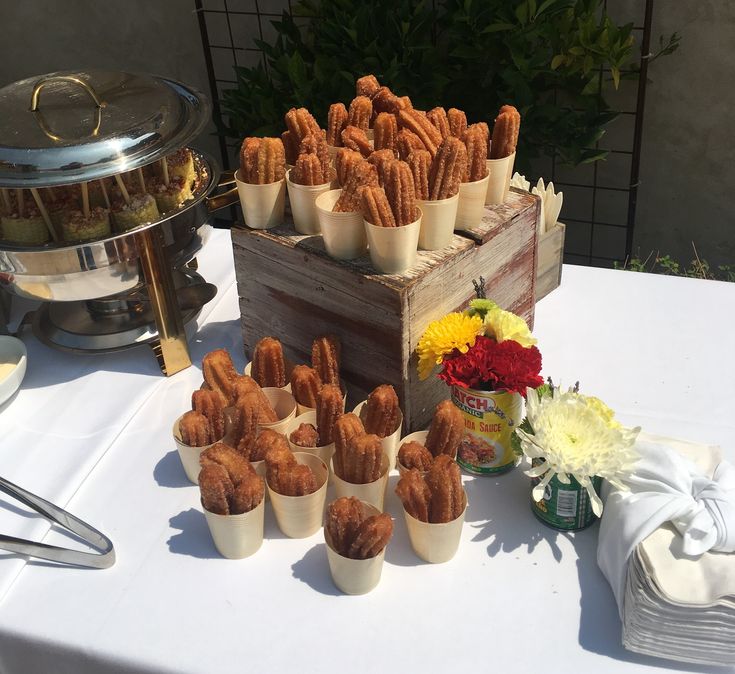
x,y
571,437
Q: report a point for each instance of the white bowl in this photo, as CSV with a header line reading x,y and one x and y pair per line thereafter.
x,y
12,351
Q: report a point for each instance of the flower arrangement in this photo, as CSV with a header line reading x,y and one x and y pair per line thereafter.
x,y
483,348
567,434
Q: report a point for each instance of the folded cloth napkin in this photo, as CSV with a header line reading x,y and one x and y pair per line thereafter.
x,y
683,483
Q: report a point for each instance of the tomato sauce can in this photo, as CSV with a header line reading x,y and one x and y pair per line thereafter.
x,y
490,419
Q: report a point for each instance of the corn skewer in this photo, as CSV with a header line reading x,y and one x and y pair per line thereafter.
x,y
44,214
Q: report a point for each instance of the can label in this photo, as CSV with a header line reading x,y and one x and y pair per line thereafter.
x,y
490,419
564,506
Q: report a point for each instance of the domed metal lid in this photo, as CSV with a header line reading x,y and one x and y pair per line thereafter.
x,y
69,127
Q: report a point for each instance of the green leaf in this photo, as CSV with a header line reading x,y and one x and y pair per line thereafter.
x,y
496,28
557,61
615,72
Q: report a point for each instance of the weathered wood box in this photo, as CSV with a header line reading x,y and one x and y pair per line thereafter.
x,y
290,288
550,260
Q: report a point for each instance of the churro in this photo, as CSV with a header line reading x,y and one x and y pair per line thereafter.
x,y
417,123
367,85
447,495
300,122
419,161
305,385
269,365
446,430
305,435
438,117
325,358
355,139
457,122
406,142
447,169
381,413
209,404
195,430
336,123
361,461
414,455
345,161
372,536
385,129
376,209
414,494
401,193
268,440
361,110
505,132
329,408
475,141
363,175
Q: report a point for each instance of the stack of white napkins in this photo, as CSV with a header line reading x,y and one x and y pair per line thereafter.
x,y
666,548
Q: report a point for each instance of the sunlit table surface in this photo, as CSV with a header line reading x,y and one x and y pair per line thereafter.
x,y
94,436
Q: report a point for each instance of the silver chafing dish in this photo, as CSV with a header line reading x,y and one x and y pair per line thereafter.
x,y
135,287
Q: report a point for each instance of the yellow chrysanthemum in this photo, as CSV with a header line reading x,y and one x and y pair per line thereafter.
x,y
503,325
454,331
607,415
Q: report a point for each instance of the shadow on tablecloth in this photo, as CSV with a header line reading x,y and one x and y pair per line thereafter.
x,y
194,539
313,569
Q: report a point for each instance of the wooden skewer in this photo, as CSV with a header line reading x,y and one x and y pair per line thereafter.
x,y
141,180
164,170
104,194
21,205
85,200
123,189
44,214
6,199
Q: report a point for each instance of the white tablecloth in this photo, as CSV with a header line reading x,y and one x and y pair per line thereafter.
x,y
517,596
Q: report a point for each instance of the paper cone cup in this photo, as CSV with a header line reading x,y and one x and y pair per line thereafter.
x,y
189,455
301,516
418,436
237,536
471,206
324,452
262,205
354,576
289,366
303,210
437,223
343,233
393,249
435,543
372,492
284,405
499,179
390,442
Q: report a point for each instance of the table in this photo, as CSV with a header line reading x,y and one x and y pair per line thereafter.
x,y
517,596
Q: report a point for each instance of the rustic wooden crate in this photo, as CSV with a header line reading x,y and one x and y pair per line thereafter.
x,y
550,259
290,288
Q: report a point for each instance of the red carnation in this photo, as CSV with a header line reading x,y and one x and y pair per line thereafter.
x,y
494,366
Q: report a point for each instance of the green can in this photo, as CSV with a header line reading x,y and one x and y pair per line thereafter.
x,y
566,507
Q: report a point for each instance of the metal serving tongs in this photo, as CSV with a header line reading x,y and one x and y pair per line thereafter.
x,y
104,559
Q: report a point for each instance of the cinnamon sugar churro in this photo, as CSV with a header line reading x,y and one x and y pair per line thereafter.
x,y
385,130
361,111
401,193
446,430
269,365
305,385
505,132
325,358
447,169
376,209
381,413
336,123
355,139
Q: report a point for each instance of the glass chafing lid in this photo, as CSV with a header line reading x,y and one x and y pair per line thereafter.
x,y
70,127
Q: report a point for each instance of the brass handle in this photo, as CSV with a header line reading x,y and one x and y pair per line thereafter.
x,y
223,200
35,96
